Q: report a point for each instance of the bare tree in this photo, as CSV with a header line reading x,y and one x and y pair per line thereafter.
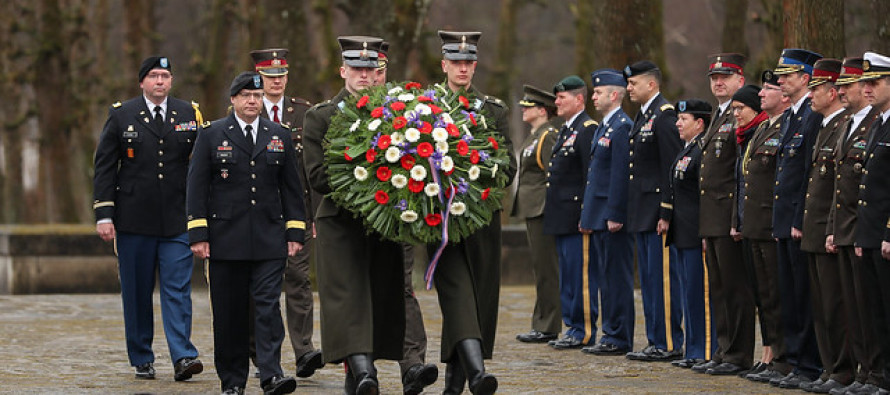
x,y
735,19
817,25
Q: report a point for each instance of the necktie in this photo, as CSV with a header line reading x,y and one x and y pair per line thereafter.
x,y
159,119
248,136
275,114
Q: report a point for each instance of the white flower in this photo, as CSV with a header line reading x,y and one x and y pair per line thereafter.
x,y
448,164
360,173
473,172
418,173
393,154
410,115
406,97
458,208
397,138
440,134
442,147
395,90
431,189
355,125
494,170
447,118
423,109
408,216
399,181
412,134
374,125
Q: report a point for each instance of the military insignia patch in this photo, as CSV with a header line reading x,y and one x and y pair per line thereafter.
x,y
571,140
648,126
773,142
276,145
164,63
683,163
186,127
859,144
604,142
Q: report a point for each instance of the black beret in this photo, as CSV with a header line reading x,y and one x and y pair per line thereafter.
x,y
154,62
748,95
694,107
768,77
459,45
245,80
571,82
639,68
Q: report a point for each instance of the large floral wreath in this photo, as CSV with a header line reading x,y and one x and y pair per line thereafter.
x,y
417,165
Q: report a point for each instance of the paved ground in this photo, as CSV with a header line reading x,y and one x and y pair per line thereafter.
x,y
75,344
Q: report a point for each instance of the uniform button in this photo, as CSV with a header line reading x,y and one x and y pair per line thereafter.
x,y
548,174
780,168
160,176
746,198
160,152
253,176
252,163
575,198
703,192
631,176
160,164
838,176
161,141
631,152
253,189
808,195
859,202
838,206
746,185
547,184
777,183
864,203
805,211
253,202
631,165
657,190
588,182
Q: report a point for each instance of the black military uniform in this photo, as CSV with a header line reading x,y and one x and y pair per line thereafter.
x,y
289,112
244,199
528,203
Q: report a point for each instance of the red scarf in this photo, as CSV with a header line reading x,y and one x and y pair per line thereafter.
x,y
742,133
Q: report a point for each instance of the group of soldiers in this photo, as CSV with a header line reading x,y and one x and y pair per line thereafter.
x,y
772,204
246,193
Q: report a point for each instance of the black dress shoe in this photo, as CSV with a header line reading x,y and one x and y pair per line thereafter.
x,y
419,377
864,389
278,385
145,371
703,367
567,342
758,367
309,363
187,367
725,369
808,386
655,355
233,391
536,337
827,386
765,376
604,349
791,381
687,363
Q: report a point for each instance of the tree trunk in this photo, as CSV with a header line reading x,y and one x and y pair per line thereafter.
x,y
734,21
504,73
768,55
881,40
817,25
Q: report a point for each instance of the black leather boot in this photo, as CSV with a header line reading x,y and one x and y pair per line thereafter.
x,y
361,367
470,353
454,377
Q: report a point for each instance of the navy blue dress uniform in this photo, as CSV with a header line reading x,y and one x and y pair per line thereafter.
x,y
654,144
244,200
849,156
605,199
829,322
528,203
799,129
873,215
682,204
139,186
566,175
289,112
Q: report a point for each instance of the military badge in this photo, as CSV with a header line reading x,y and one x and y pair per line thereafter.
x,y
224,173
683,163
527,152
164,63
726,127
225,146
571,140
860,144
604,142
857,167
773,142
131,153
276,145
648,126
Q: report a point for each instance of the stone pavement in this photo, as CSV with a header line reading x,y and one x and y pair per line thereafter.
x,y
75,344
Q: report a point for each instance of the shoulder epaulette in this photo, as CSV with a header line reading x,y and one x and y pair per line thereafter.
x,y
494,100
300,100
117,104
206,124
667,106
590,122
322,104
198,116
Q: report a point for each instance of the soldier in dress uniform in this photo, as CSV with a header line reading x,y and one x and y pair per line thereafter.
x,y
138,185
873,222
288,111
829,322
654,144
849,157
360,276
604,214
538,107
795,68
246,215
730,289
682,231
468,274
567,171
759,168
416,373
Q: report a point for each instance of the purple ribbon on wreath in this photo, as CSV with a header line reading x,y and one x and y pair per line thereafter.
x,y
431,269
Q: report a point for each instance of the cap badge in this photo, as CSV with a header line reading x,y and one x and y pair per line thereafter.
x,y
597,80
681,106
866,65
274,54
257,82
463,44
276,62
719,64
164,63
627,70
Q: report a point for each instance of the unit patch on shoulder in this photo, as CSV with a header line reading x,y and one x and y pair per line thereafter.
x,y
117,104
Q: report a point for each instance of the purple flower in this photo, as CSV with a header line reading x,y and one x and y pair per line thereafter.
x,y
374,140
462,186
387,99
483,156
468,138
402,205
387,114
439,123
430,94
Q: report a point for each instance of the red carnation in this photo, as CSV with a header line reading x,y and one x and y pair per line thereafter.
x,y
377,112
474,157
412,84
452,129
408,162
399,123
433,219
448,173
435,108
464,101
494,143
415,186
485,193
381,197
384,141
424,99
397,106
448,192
424,149
363,101
346,154
384,173
370,154
462,147
426,128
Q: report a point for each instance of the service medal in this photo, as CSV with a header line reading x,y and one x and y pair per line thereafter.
x,y
224,173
